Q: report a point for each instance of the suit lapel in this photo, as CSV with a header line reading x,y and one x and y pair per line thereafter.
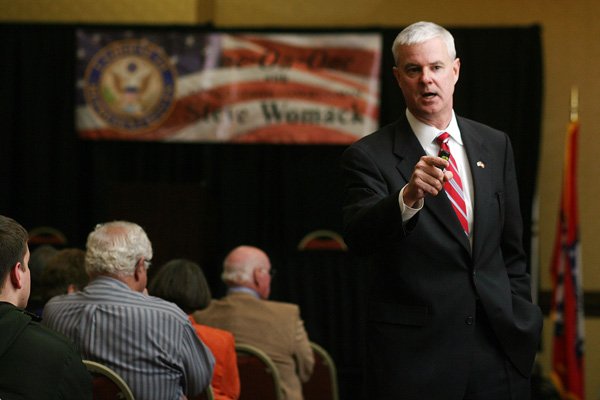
x,y
478,157
408,150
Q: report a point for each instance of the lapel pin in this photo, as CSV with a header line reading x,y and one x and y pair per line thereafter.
x,y
480,164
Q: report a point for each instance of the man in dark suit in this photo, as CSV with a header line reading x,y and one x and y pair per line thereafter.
x,y
450,313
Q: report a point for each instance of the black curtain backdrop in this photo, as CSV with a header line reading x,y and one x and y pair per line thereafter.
x,y
200,200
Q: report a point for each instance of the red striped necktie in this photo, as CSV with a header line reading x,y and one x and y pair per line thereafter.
x,y
453,188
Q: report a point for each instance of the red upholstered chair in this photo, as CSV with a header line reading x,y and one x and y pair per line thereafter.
x,y
107,384
259,378
322,384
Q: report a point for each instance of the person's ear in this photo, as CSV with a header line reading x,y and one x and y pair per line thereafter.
x,y
456,69
140,269
396,72
17,276
256,276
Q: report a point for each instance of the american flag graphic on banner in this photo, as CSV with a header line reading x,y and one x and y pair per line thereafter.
x,y
567,303
227,87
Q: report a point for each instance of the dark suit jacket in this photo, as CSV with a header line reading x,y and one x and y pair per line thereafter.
x,y
425,277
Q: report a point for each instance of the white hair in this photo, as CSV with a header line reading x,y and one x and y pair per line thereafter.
x,y
420,32
115,248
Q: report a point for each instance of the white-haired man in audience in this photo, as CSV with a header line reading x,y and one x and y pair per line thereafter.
x,y
274,327
148,341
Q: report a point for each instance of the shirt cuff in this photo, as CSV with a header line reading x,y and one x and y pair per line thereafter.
x,y
406,211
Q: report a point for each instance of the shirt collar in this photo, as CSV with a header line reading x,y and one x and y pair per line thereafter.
x,y
109,280
427,133
243,289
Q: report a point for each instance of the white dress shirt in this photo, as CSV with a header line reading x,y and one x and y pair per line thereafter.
x,y
426,135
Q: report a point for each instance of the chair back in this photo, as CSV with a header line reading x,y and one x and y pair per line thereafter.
x,y
322,384
259,377
107,384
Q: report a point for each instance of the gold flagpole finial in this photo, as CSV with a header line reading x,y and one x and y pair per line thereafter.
x,y
574,104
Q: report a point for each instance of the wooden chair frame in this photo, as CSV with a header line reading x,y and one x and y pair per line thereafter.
x,y
268,363
101,369
322,356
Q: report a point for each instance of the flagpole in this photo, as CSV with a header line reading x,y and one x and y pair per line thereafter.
x,y
574,104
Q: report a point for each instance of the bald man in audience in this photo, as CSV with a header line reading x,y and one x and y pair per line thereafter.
x,y
274,327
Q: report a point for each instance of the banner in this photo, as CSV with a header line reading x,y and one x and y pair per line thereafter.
x,y
227,87
567,303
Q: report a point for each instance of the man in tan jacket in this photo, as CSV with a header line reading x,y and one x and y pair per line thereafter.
x,y
274,327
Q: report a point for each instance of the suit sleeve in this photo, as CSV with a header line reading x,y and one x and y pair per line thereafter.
x,y
512,235
372,216
303,353
520,323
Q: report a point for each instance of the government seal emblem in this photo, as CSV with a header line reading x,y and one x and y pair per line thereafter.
x,y
130,84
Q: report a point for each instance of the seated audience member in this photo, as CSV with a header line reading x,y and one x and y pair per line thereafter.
x,y
35,362
183,283
274,327
64,273
148,341
37,263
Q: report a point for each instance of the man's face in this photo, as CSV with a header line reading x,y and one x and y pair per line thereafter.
x,y
426,75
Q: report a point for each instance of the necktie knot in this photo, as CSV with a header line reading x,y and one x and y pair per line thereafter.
x,y
442,138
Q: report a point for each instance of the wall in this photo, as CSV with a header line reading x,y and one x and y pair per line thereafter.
x,y
571,52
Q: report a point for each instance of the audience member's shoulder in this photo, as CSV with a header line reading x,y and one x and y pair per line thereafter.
x,y
62,298
46,338
23,328
216,302
283,306
221,334
163,306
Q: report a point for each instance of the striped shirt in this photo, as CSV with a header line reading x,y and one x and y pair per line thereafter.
x,y
148,341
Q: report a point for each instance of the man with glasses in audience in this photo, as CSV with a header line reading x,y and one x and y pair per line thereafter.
x,y
274,327
148,341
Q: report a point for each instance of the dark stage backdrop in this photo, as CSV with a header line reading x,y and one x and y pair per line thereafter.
x,y
200,200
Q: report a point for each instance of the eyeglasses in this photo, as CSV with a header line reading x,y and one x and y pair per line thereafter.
x,y
147,263
271,271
